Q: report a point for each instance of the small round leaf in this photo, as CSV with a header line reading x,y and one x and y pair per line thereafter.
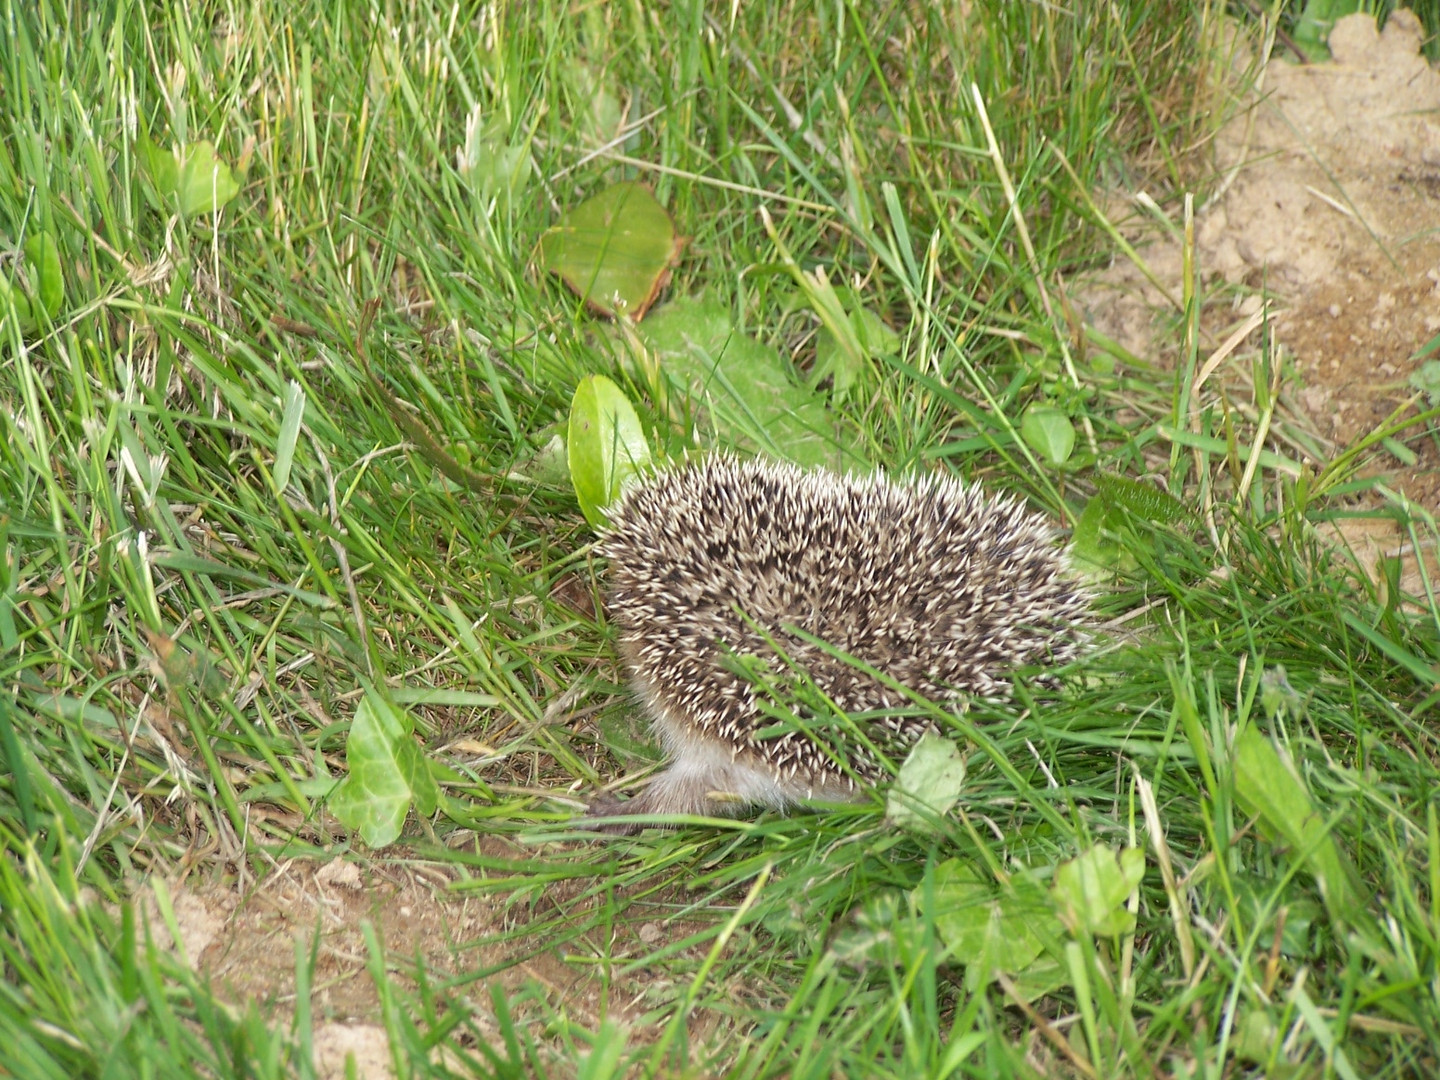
x,y
1048,432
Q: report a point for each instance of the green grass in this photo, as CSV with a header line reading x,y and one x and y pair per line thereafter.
x,y
184,639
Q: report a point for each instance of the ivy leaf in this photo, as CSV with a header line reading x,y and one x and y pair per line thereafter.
x,y
386,773
615,250
605,445
992,931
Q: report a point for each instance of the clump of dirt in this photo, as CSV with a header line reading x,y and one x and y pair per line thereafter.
x,y
1330,203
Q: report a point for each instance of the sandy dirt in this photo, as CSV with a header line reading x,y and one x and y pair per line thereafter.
x,y
1329,204
427,919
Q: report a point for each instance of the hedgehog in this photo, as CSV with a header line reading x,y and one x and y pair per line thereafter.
x,y
746,592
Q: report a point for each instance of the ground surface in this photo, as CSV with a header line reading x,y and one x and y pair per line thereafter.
x,y
1329,202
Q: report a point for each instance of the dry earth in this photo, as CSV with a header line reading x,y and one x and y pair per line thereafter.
x,y
1332,206
1329,204
429,918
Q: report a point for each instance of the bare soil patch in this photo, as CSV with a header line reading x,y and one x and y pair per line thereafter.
x,y
429,918
1329,202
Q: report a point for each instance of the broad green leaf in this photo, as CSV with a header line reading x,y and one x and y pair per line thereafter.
x,y
1266,785
1116,496
1048,432
846,354
928,785
43,259
614,249
988,930
197,180
386,772
747,393
1255,1037
1088,543
548,463
605,445
882,930
1312,29
601,116
1426,379
840,354
1091,889
38,292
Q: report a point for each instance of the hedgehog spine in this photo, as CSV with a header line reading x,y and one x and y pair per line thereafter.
x,y
928,579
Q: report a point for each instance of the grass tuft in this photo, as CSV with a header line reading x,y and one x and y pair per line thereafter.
x,y
270,456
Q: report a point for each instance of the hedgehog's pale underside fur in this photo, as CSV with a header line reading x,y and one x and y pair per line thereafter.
x,y
943,588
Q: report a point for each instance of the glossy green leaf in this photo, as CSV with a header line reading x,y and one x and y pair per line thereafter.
x,y
928,785
191,177
615,249
1048,432
746,392
1091,889
605,444
386,773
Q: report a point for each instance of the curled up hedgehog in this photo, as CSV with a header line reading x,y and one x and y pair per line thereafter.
x,y
725,574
